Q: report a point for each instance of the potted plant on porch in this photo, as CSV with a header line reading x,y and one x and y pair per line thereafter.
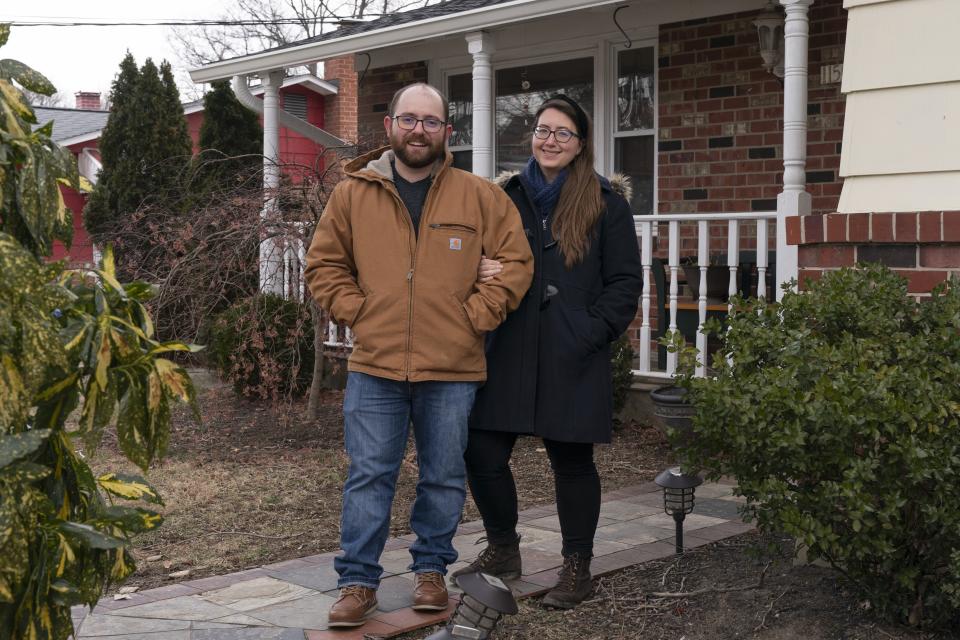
x,y
672,406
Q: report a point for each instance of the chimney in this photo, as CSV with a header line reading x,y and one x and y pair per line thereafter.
x,y
88,100
340,111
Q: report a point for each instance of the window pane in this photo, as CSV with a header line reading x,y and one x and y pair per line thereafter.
x,y
635,89
463,159
634,156
521,91
460,92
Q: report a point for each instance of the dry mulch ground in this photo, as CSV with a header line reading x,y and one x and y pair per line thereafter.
x,y
255,485
713,592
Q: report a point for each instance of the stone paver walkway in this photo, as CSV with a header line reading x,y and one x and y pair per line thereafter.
x,y
289,600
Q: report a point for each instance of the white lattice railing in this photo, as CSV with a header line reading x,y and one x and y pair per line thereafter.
x,y
649,226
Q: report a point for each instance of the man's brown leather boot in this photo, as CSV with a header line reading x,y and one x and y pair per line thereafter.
x,y
355,604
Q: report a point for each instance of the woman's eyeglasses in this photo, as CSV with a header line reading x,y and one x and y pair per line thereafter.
x,y
560,135
409,123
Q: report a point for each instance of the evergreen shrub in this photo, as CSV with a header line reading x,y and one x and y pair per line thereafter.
x,y
838,414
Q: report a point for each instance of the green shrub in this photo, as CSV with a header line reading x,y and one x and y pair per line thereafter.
x,y
264,346
840,419
621,360
72,343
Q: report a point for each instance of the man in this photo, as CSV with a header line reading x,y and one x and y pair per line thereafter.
x,y
395,257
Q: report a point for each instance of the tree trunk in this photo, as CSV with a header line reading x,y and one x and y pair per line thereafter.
x,y
319,368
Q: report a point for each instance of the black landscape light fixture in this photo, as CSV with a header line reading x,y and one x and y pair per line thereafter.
x,y
678,490
484,601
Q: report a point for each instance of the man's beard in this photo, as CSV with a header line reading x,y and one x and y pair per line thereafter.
x,y
416,158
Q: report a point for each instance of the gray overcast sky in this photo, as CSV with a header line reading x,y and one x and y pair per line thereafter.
x,y
87,58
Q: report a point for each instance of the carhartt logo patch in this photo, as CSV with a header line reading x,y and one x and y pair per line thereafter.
x,y
455,244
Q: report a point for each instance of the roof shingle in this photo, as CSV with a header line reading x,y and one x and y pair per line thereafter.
x,y
70,123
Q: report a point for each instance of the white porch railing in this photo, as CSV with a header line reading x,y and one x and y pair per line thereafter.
x,y
645,226
737,224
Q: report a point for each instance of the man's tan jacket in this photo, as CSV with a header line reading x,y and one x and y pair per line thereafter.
x,y
414,304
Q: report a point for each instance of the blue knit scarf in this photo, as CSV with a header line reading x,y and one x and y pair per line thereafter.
x,y
545,194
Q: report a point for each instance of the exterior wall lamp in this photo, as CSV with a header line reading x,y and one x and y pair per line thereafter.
x,y
678,497
769,26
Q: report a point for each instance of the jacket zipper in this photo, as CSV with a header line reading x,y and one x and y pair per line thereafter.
x,y
412,245
410,273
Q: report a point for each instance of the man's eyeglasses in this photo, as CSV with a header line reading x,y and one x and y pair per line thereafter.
x,y
561,135
409,123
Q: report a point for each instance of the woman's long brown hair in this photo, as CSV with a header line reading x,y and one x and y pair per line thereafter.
x,y
580,203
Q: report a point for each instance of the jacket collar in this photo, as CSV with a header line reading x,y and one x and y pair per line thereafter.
x,y
619,183
375,165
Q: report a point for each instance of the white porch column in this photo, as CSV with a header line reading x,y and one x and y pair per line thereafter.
x,y
271,250
794,200
480,46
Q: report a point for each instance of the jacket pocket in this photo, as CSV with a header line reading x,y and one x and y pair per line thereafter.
x,y
362,313
364,306
449,252
453,226
583,331
463,314
444,341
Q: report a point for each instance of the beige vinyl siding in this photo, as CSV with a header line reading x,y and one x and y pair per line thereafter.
x,y
902,122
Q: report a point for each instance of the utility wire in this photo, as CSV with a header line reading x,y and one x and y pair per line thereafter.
x,y
184,23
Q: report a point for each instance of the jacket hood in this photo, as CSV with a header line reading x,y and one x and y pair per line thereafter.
x,y
376,164
619,183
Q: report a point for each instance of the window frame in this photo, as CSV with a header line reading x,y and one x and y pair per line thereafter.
x,y
612,134
599,80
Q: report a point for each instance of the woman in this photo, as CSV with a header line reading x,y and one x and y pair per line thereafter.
x,y
548,365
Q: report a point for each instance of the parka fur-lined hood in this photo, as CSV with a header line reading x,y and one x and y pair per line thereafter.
x,y
619,183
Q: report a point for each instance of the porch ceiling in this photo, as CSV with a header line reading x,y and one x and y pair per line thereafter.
x,y
395,34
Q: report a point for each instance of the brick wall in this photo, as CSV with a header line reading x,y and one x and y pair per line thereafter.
x,y
340,111
376,90
89,100
721,116
721,126
923,247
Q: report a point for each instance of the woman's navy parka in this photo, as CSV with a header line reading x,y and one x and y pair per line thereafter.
x,y
548,364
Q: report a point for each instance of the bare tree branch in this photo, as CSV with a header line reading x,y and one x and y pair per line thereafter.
x,y
272,28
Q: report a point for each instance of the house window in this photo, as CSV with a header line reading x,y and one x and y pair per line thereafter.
x,y
460,117
634,151
295,104
521,91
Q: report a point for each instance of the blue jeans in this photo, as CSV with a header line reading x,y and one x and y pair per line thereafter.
x,y
377,416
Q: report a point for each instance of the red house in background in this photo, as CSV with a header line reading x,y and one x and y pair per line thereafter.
x,y
329,104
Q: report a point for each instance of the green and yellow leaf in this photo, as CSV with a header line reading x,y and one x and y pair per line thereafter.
x,y
19,445
129,487
176,381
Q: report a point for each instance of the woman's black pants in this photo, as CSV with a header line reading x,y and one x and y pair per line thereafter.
x,y
575,478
